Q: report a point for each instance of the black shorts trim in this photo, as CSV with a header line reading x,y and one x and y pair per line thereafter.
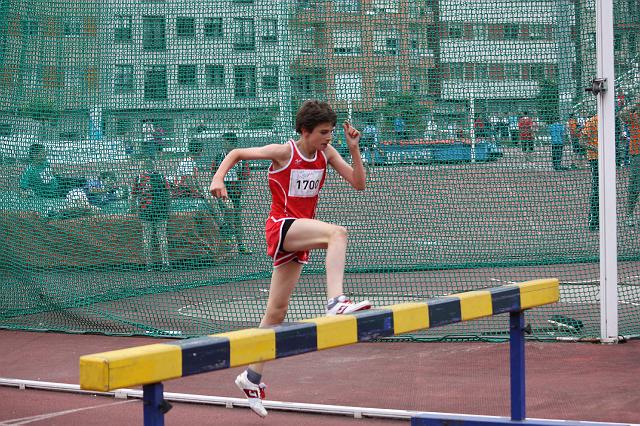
x,y
286,224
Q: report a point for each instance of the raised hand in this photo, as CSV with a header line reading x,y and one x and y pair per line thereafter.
x,y
351,134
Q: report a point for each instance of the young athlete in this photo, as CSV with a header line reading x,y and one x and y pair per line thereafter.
x,y
297,173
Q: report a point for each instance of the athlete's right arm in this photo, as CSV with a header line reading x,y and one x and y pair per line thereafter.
x,y
277,153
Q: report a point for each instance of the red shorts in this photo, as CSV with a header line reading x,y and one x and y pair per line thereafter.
x,y
273,229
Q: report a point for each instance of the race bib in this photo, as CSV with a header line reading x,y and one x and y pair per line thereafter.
x,y
305,183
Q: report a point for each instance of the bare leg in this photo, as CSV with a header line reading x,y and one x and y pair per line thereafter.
x,y
161,232
283,280
309,234
147,235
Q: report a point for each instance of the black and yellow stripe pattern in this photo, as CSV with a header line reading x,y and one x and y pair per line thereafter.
x,y
163,361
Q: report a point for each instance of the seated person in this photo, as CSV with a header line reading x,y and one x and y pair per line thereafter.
x,y
104,190
38,178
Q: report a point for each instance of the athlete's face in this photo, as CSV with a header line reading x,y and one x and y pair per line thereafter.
x,y
321,136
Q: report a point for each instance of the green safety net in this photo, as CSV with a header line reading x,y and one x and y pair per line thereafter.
x,y
475,122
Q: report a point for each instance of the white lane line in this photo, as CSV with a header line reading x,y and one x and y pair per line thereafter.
x,y
40,417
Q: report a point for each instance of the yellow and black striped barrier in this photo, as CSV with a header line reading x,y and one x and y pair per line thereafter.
x,y
155,363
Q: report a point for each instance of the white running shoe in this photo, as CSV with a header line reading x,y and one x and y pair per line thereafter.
x,y
254,393
346,306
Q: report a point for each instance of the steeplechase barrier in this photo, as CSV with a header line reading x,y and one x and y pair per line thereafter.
x,y
150,365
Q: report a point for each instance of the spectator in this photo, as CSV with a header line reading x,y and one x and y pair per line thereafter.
x,y
369,143
513,128
38,177
525,127
631,116
150,198
191,182
556,131
574,136
479,126
234,180
400,128
589,140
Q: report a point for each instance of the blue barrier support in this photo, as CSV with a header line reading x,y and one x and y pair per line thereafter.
x,y
154,404
516,355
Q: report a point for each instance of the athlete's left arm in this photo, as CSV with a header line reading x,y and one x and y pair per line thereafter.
x,y
354,173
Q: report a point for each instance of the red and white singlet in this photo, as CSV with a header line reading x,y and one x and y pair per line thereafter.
x,y
294,195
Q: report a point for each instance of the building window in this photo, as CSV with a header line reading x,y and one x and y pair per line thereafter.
x,y
387,85
348,86
481,71
153,33
537,72
72,28
350,6
310,38
270,30
213,28
187,75
512,71
347,42
5,130
123,81
455,30
511,31
244,34
386,42
215,75
480,32
308,83
270,78
496,71
29,27
456,70
122,30
551,72
155,82
245,81
185,27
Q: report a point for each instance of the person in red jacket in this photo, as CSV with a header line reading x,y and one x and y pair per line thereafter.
x,y
525,127
296,175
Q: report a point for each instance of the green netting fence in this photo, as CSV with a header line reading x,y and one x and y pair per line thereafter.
x,y
472,114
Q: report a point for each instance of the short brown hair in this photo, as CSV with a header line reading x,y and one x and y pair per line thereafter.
x,y
314,112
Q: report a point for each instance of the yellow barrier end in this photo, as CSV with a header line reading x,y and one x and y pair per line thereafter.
x,y
539,292
141,365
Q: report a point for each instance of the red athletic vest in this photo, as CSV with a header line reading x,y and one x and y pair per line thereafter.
x,y
295,187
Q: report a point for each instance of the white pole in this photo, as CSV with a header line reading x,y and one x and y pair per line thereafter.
x,y
607,174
